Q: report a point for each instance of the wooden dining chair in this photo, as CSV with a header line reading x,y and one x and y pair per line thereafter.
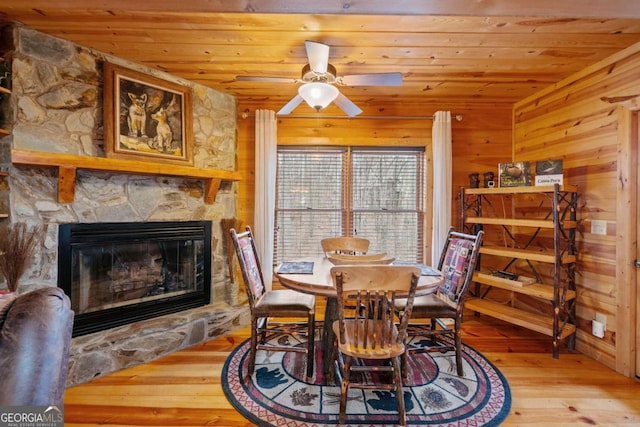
x,y
345,245
370,335
269,304
342,259
457,263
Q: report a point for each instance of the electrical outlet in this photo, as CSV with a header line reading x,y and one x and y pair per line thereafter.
x,y
599,227
597,329
602,318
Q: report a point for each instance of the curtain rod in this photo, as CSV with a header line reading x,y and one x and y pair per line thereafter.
x,y
458,117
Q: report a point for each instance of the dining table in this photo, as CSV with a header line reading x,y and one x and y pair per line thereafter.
x,y
316,280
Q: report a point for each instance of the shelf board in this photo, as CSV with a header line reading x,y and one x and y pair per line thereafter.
x,y
538,290
68,164
4,131
519,222
536,322
4,215
521,190
5,90
528,254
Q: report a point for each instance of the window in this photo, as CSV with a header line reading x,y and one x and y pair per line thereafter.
x,y
373,193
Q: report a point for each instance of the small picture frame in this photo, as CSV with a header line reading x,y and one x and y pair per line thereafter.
x,y
549,172
514,174
146,118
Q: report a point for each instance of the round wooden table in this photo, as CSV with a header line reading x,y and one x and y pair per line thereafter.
x,y
319,283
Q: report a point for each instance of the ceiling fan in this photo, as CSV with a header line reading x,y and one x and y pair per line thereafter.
x,y
319,80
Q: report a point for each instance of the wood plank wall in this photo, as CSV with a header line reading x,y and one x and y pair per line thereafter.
x,y
571,121
480,140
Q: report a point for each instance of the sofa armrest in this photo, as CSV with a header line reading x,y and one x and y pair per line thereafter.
x,y
34,348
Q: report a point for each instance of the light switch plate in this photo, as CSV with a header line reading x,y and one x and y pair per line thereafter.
x,y
599,227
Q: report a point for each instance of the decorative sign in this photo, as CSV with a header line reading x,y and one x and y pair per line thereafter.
x,y
549,172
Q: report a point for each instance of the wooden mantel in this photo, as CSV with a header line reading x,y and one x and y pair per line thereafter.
x,y
68,164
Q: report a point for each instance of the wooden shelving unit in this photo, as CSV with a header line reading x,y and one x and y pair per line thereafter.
x,y
539,228
68,164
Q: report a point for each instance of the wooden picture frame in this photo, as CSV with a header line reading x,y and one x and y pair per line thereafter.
x,y
146,118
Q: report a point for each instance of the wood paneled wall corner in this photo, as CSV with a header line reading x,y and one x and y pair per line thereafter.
x,y
569,120
626,240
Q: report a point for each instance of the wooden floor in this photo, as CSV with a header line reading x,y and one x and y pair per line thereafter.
x,y
183,389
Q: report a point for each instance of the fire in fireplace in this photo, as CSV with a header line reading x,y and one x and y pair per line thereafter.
x,y
120,273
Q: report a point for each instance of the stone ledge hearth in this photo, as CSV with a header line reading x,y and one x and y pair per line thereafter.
x,y
108,351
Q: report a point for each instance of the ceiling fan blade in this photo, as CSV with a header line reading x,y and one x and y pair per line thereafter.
x,y
347,106
378,79
291,105
318,54
265,79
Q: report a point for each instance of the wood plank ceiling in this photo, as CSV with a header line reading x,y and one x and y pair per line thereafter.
x,y
456,51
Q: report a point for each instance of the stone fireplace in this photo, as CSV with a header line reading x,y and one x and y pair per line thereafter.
x,y
120,273
56,107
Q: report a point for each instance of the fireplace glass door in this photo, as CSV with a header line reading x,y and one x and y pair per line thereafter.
x,y
119,273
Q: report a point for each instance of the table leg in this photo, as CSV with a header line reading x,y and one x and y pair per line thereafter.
x,y
330,315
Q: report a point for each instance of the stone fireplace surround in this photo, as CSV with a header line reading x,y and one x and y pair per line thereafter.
x,y
57,107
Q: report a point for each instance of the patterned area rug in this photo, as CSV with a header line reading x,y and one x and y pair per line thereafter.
x,y
278,395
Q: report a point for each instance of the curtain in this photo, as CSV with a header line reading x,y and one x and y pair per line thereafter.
x,y
265,190
441,143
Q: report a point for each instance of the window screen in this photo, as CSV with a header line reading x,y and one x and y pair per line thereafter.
x,y
309,201
375,194
386,201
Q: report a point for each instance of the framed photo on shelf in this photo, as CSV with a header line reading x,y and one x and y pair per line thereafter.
x,y
549,172
146,118
514,174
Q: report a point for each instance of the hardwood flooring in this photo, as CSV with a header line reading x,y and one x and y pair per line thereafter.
x,y
183,389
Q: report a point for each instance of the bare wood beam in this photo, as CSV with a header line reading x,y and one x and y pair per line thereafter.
x,y
626,245
630,102
66,184
67,165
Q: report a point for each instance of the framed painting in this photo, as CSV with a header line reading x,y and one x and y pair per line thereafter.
x,y
514,174
146,118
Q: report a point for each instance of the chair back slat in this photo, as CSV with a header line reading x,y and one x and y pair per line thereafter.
x,y
457,263
345,245
249,264
366,299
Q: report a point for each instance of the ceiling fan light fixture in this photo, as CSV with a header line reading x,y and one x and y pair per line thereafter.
x,y
318,95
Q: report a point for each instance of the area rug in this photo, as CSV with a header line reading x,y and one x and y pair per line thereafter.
x,y
278,395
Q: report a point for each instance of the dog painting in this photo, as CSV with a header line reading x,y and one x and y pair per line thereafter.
x,y
164,136
137,118
146,116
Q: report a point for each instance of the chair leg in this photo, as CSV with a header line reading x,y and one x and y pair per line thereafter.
x,y
399,391
344,388
311,337
403,366
254,345
458,343
434,325
334,354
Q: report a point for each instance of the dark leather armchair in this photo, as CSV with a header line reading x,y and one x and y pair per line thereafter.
x,y
35,338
